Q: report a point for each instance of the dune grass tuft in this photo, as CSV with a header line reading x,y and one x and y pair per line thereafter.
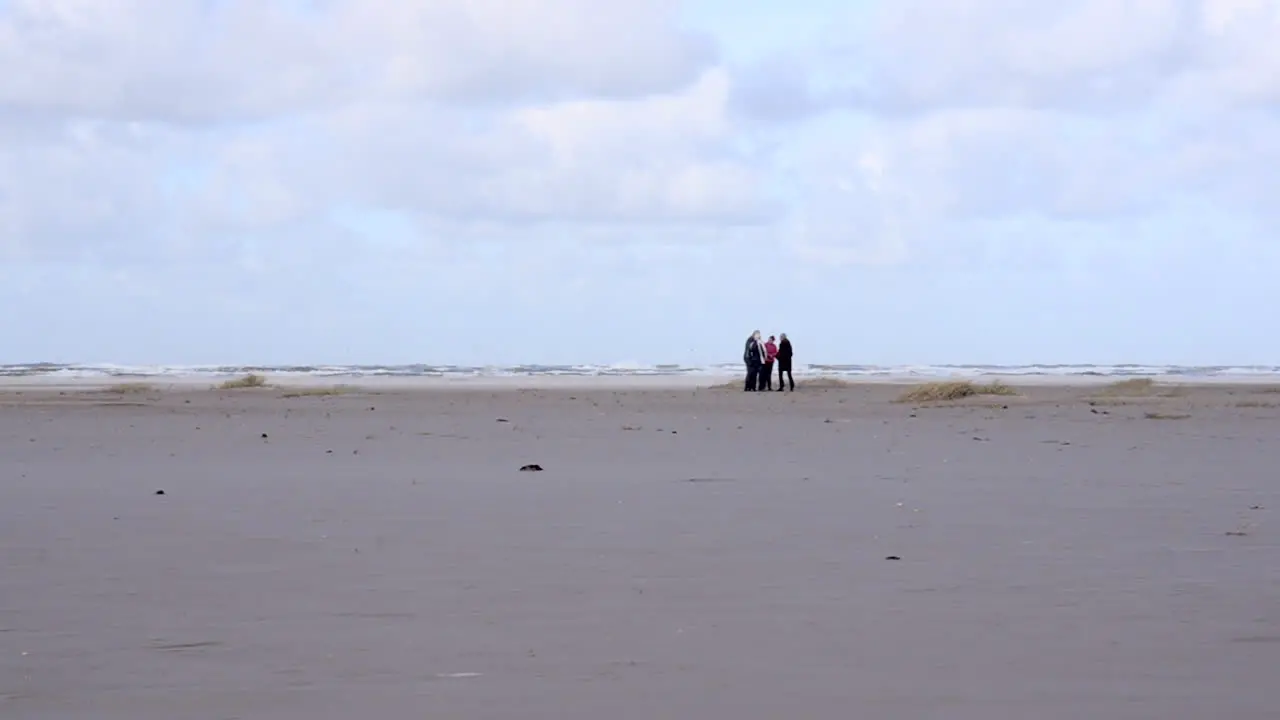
x,y
1139,387
953,390
1166,416
1134,385
317,392
133,388
248,381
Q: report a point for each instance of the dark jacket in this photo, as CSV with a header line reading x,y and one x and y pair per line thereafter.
x,y
784,354
754,353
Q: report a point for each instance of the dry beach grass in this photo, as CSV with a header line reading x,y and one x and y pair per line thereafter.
x,y
319,391
1139,388
131,388
248,381
954,390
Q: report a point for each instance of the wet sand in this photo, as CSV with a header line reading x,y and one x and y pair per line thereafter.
x,y
684,554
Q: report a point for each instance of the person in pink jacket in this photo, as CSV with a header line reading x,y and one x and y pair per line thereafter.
x,y
770,353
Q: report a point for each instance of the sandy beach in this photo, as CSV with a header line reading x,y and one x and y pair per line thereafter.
x,y
1066,552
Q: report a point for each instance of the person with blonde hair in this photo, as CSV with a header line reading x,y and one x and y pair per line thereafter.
x,y
753,358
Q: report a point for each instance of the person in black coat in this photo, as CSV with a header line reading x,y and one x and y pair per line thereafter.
x,y
784,362
753,357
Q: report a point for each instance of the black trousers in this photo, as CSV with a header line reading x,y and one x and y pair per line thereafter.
x,y
785,368
753,377
766,377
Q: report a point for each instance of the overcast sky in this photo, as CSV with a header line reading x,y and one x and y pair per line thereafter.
x,y
497,181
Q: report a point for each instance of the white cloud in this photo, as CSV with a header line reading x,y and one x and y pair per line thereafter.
x,y
1238,59
1084,55
505,49
239,131
189,60
660,159
165,129
1091,111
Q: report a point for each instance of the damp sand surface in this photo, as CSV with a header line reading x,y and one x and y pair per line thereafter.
x,y
1065,553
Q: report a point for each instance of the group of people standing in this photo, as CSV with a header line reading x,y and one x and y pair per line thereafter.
x,y
760,358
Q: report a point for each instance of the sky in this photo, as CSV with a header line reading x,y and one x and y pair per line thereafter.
x,y
646,181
